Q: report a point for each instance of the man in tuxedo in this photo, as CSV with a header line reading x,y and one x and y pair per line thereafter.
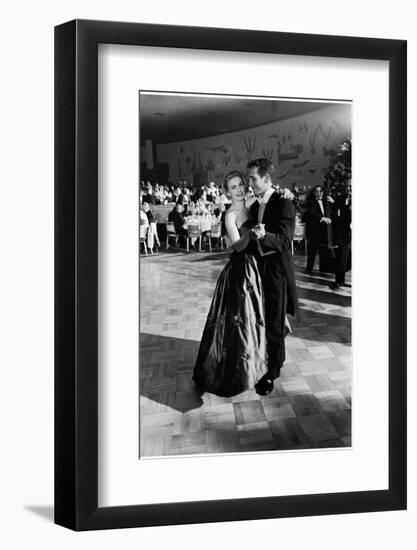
x,y
341,225
317,218
273,235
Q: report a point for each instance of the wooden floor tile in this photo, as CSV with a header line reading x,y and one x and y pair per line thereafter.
x,y
309,406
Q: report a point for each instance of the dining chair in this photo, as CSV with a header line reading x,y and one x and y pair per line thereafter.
x,y
171,234
299,235
215,233
143,237
193,232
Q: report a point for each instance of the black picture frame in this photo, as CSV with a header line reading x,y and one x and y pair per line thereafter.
x,y
76,272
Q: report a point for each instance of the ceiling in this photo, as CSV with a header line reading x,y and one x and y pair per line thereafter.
x,y
172,118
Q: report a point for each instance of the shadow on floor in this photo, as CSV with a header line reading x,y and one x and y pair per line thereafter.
x,y
165,376
323,297
323,327
45,512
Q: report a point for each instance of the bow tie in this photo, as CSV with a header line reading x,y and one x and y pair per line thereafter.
x,y
260,197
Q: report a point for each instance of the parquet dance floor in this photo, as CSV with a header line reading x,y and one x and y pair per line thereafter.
x,y
310,406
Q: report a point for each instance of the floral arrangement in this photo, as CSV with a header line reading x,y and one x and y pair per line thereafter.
x,y
340,171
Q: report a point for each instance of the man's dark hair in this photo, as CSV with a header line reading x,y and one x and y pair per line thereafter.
x,y
263,165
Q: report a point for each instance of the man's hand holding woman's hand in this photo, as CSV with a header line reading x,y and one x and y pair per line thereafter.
x,y
257,232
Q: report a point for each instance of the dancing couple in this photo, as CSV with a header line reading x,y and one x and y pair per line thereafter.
x,y
243,342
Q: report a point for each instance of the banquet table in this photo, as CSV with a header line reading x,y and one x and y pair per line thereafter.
x,y
204,222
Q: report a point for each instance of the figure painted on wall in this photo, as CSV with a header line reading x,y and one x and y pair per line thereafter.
x,y
301,164
268,154
312,140
194,164
221,148
337,125
282,176
238,159
250,146
297,148
283,157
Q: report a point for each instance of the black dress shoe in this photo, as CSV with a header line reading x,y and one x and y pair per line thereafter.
x,y
308,272
264,386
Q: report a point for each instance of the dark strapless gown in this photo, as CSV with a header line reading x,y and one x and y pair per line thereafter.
x,y
232,354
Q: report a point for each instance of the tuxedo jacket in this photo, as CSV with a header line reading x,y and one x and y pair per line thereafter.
x,y
341,220
279,221
317,231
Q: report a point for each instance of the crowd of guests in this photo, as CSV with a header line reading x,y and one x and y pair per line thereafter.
x,y
202,199
325,210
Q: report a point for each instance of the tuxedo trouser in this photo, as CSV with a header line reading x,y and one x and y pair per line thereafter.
x,y
275,290
342,255
312,249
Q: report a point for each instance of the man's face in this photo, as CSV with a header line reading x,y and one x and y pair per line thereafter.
x,y
259,184
318,193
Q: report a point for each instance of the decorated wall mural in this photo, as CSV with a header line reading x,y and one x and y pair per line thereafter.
x,y
299,147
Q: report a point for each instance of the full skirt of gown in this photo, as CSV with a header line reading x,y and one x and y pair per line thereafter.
x,y
232,353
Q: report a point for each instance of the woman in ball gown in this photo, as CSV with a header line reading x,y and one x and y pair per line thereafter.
x,y
232,354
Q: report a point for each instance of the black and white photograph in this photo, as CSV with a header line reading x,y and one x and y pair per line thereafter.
x,y
245,224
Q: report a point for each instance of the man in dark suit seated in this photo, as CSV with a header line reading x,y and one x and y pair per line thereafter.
x,y
177,218
317,218
273,234
149,196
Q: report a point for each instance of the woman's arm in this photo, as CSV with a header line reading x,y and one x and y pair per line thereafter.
x,y
238,243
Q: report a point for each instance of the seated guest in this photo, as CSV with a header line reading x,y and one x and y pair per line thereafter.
x,y
183,199
143,218
177,218
149,196
212,192
153,232
177,192
167,194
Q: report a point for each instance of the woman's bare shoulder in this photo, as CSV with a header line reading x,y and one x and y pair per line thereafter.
x,y
230,216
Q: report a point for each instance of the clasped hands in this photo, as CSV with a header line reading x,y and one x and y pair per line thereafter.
x,y
257,232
